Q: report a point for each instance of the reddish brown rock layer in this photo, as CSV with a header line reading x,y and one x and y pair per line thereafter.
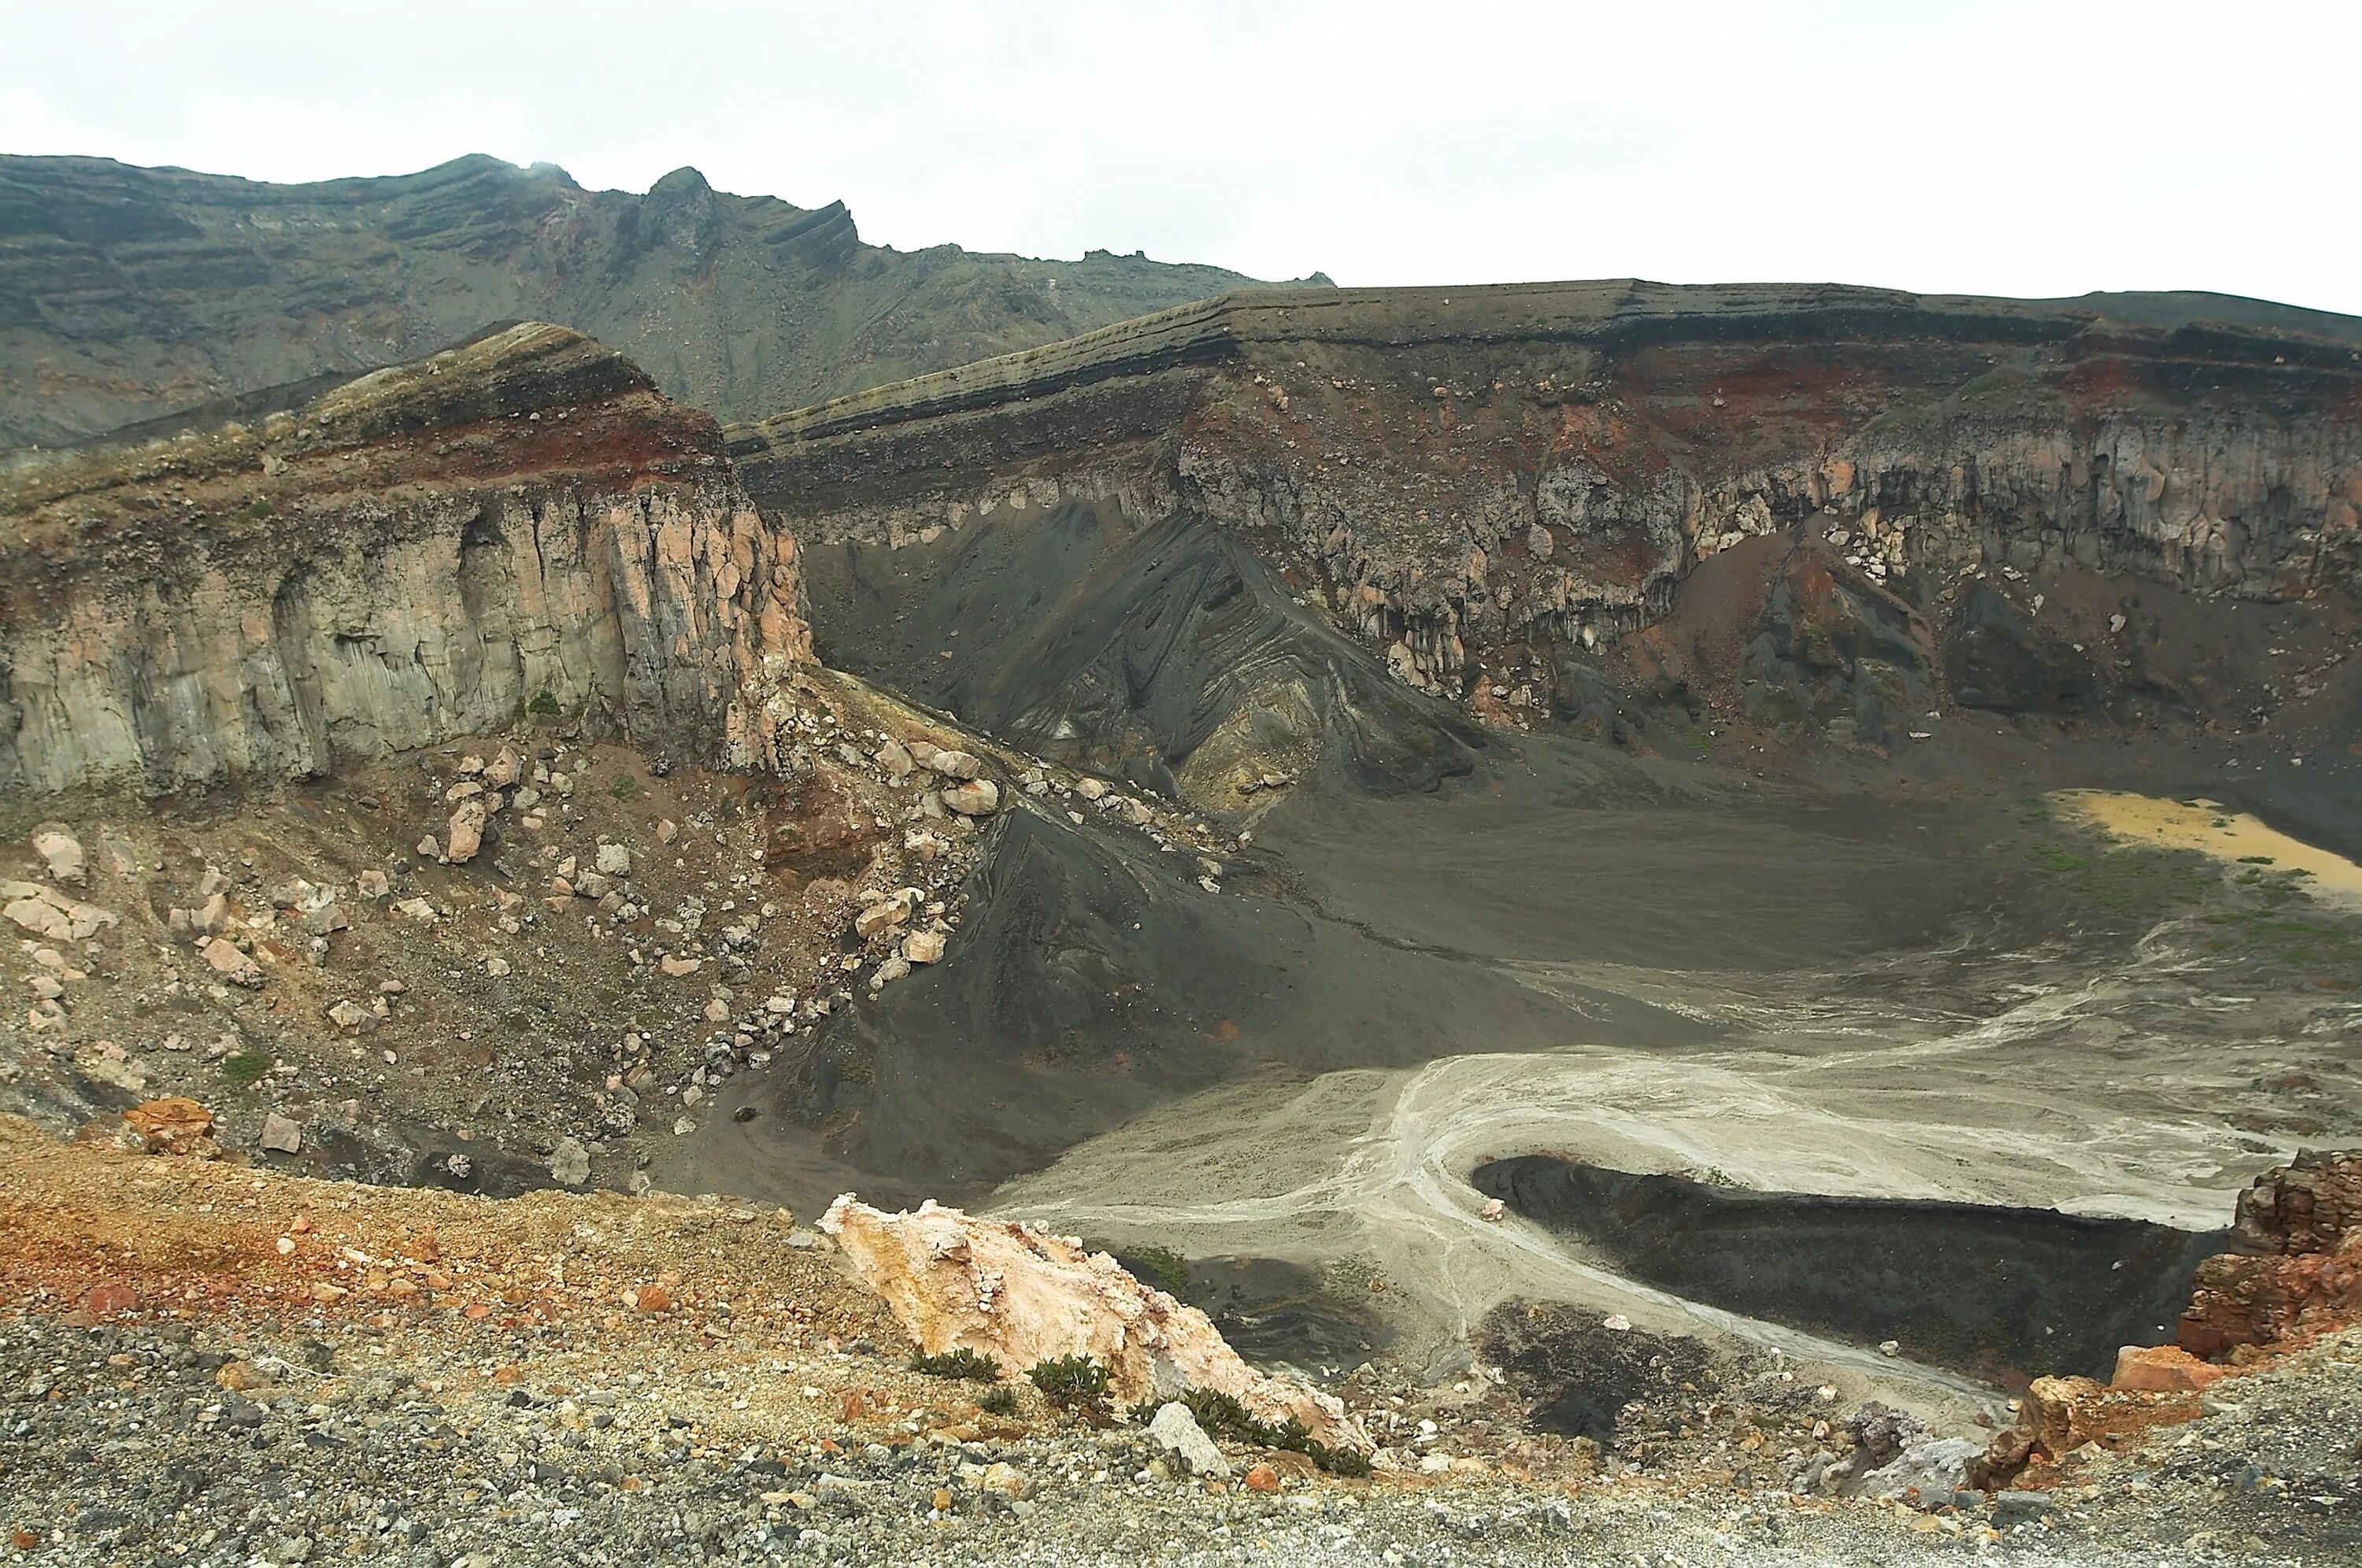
x,y
2298,1270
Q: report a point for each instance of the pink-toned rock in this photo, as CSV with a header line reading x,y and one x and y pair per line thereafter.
x,y
1021,1296
504,769
231,964
976,797
2163,1369
923,947
61,852
466,832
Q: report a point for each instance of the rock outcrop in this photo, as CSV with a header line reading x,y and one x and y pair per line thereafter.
x,y
2296,1273
1021,1296
520,525
2297,1269
1491,489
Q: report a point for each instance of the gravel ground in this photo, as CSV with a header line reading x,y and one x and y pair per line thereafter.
x,y
120,1444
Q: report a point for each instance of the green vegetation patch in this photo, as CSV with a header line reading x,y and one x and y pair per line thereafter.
x,y
1073,1383
247,1069
1167,1270
1222,1416
958,1364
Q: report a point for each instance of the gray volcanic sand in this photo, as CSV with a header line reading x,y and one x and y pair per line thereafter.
x,y
1819,994
1903,978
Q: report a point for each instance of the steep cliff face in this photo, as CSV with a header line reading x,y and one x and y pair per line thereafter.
x,y
129,293
1497,491
519,524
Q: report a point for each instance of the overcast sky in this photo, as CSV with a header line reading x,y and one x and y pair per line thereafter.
x,y
2015,147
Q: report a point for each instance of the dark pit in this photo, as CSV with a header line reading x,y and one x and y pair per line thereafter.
x,y
2001,1293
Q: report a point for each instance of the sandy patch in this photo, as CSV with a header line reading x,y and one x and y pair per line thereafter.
x,y
2232,838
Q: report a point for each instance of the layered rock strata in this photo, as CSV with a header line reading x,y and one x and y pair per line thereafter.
x,y
2296,1266
1477,483
521,525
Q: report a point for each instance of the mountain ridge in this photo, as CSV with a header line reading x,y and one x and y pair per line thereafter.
x,y
127,293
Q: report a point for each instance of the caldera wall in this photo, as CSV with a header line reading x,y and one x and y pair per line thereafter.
x,y
520,524
1471,479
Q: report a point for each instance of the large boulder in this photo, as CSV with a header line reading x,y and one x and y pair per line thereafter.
x,y
1021,1296
61,853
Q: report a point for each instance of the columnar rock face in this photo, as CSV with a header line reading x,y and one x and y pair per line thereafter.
x,y
518,525
1481,484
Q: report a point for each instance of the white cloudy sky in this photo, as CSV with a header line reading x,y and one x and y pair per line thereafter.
x,y
2026,147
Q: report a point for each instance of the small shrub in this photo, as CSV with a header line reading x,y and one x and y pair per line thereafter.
x,y
1222,1416
544,704
999,1399
1167,1270
961,1362
259,510
1075,1384
623,787
247,1069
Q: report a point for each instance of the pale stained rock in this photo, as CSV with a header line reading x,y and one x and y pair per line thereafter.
x,y
1927,1473
976,797
882,917
323,916
895,968
426,848
466,836
570,1163
40,918
677,967
281,1134
896,759
717,1011
231,964
415,909
351,1017
61,853
614,860
666,831
372,884
923,947
1021,1296
496,966
956,764
52,912
503,770
1176,1431
122,857
1090,788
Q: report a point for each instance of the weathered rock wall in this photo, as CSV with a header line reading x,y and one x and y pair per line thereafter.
x,y
520,526
1469,479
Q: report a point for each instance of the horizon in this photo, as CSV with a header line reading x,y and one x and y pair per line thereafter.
x,y
1861,283
1356,144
